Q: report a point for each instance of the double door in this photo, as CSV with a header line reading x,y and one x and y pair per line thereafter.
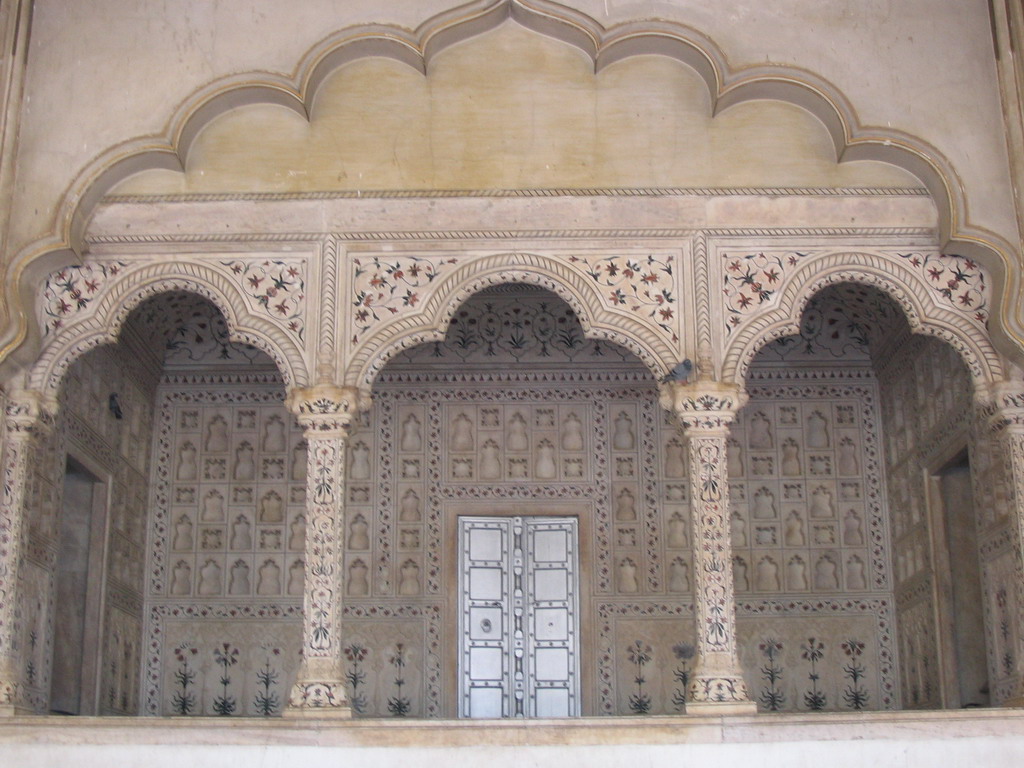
x,y
518,617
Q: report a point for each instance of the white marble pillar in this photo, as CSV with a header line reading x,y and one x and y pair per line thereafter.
x,y
704,410
1006,421
28,416
328,415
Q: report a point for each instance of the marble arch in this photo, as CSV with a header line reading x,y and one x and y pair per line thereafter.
x,y
431,323
915,297
105,321
852,141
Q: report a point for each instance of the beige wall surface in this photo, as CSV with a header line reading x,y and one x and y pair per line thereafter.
x,y
108,71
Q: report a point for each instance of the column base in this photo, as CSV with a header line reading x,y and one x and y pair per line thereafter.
x,y
712,688
720,708
318,700
1016,702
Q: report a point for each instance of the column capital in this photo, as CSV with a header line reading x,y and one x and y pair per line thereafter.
x,y
1002,405
327,409
703,404
30,412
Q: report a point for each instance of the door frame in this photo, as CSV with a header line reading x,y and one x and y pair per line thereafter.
x,y
584,513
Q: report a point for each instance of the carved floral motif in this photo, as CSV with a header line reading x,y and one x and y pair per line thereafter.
x,y
643,285
957,281
276,287
381,288
71,290
751,281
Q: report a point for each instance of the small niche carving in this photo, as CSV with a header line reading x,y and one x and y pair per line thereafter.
x,y
213,507
271,508
296,577
675,492
821,502
517,440
739,574
188,468
518,469
297,533
215,469
210,579
462,433
760,436
545,418
241,494
825,576
269,581
790,457
794,533
676,531
623,438
847,459
855,573
853,533
273,469
182,533
360,467
409,511
462,469
738,529
490,467
409,584
817,431
734,454
217,435
246,420
572,433
241,533
181,578
270,538
674,466
627,576
764,503
239,582
358,586
409,538
679,576
358,536
300,458
796,573
188,420
273,435
573,467
412,434
212,538
627,537
767,575
546,469
625,505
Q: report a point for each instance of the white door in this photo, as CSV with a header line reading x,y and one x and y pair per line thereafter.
x,y
518,619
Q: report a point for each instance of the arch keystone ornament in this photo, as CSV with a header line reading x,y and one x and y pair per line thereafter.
x,y
328,415
704,409
28,417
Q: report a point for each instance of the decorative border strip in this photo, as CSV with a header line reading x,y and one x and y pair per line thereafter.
x,y
392,194
506,234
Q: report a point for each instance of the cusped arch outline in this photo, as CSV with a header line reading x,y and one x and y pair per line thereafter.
x,y
726,87
452,291
904,286
112,308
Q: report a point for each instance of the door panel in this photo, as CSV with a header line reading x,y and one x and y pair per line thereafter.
x,y
518,619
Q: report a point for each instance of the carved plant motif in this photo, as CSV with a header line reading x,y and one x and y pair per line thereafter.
x,y
399,705
355,677
772,697
639,654
856,695
813,651
184,701
266,701
225,657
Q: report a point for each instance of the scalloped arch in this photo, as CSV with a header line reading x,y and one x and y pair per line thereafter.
x,y
452,292
727,88
105,325
902,285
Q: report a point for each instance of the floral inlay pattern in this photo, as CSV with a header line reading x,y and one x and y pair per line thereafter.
x,y
276,287
644,285
382,287
71,290
752,280
958,281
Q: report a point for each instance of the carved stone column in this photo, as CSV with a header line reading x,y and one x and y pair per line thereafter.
x,y
704,410
27,418
1006,422
327,414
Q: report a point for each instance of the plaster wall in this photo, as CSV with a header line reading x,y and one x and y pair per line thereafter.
x,y
925,67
